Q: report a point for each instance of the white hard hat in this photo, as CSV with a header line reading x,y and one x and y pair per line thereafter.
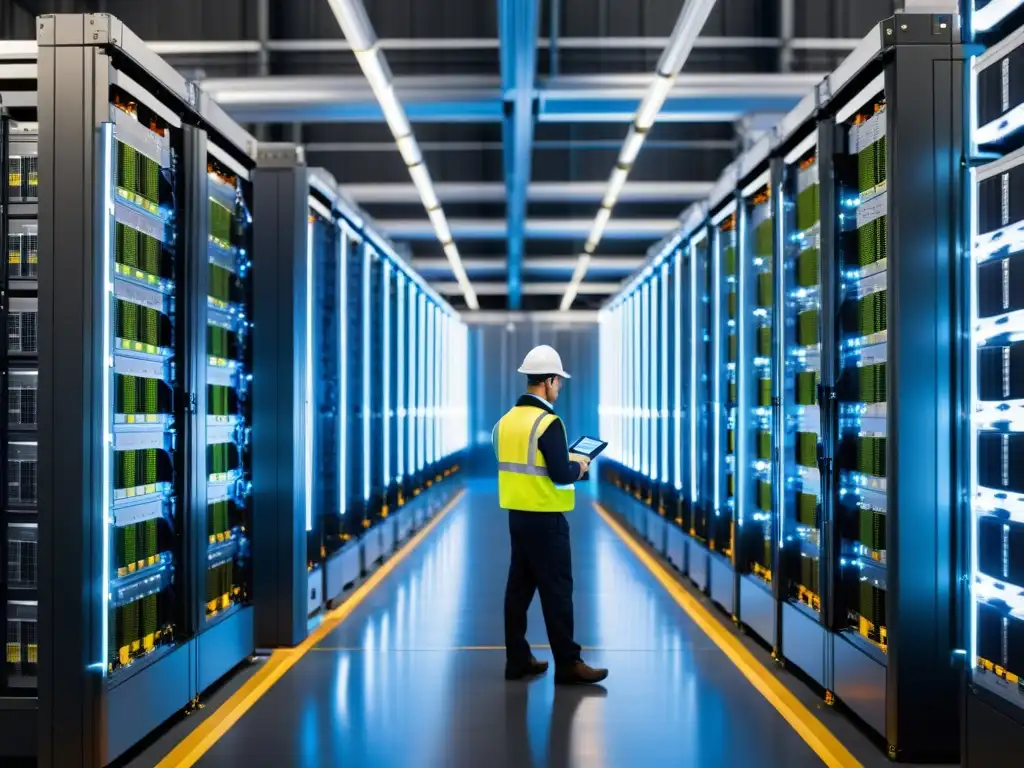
x,y
541,361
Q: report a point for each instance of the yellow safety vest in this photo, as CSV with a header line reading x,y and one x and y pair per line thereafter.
x,y
523,482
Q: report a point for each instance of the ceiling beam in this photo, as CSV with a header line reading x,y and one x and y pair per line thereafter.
x,y
518,27
237,47
531,264
493,317
529,289
716,97
538,192
536,229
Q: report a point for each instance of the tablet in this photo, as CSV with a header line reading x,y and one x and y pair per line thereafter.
x,y
588,446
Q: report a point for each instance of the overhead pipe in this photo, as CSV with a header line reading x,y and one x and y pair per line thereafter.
x,y
692,18
358,31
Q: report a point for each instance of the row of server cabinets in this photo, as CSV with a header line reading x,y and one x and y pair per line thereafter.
x,y
379,415
207,348
779,389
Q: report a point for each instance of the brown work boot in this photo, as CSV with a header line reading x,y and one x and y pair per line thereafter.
x,y
579,674
531,668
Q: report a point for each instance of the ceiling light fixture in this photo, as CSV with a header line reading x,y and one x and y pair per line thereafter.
x,y
691,20
358,31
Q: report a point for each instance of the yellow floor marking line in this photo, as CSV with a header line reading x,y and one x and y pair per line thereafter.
x,y
808,727
197,743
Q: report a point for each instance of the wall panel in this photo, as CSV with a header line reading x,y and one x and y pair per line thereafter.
x,y
497,351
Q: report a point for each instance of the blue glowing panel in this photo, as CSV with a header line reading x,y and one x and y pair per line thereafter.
x,y
307,432
343,244
386,372
400,363
367,326
664,357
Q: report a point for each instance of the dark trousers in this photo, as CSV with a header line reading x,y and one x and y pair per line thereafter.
x,y
541,561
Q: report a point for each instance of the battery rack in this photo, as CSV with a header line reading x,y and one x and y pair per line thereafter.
x,y
755,369
18,431
802,374
229,365
144,388
862,377
726,333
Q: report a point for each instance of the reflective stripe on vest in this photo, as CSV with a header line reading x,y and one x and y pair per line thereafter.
x,y
523,482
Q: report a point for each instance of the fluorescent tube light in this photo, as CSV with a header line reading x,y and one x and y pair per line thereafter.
x,y
631,147
615,184
440,224
653,101
394,114
409,149
424,186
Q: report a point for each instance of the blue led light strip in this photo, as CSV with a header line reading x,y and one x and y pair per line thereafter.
x,y
413,370
367,323
653,345
386,371
677,356
664,355
717,374
431,385
106,491
307,431
695,337
645,376
343,241
421,397
400,372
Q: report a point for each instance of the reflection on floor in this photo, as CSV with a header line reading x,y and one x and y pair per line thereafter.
x,y
414,676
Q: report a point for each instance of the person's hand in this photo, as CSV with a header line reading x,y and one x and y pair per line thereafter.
x,y
583,461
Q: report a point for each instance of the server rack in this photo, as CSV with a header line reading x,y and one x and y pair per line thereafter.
x,y
993,725
754,365
19,577
124,324
860,353
400,343
304,561
804,186
719,534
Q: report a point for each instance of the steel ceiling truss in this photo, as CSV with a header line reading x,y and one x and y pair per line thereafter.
x,y
518,22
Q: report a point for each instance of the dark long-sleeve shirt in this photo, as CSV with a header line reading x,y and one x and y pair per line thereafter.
x,y
553,446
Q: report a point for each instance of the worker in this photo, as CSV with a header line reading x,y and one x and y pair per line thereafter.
x,y
535,484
